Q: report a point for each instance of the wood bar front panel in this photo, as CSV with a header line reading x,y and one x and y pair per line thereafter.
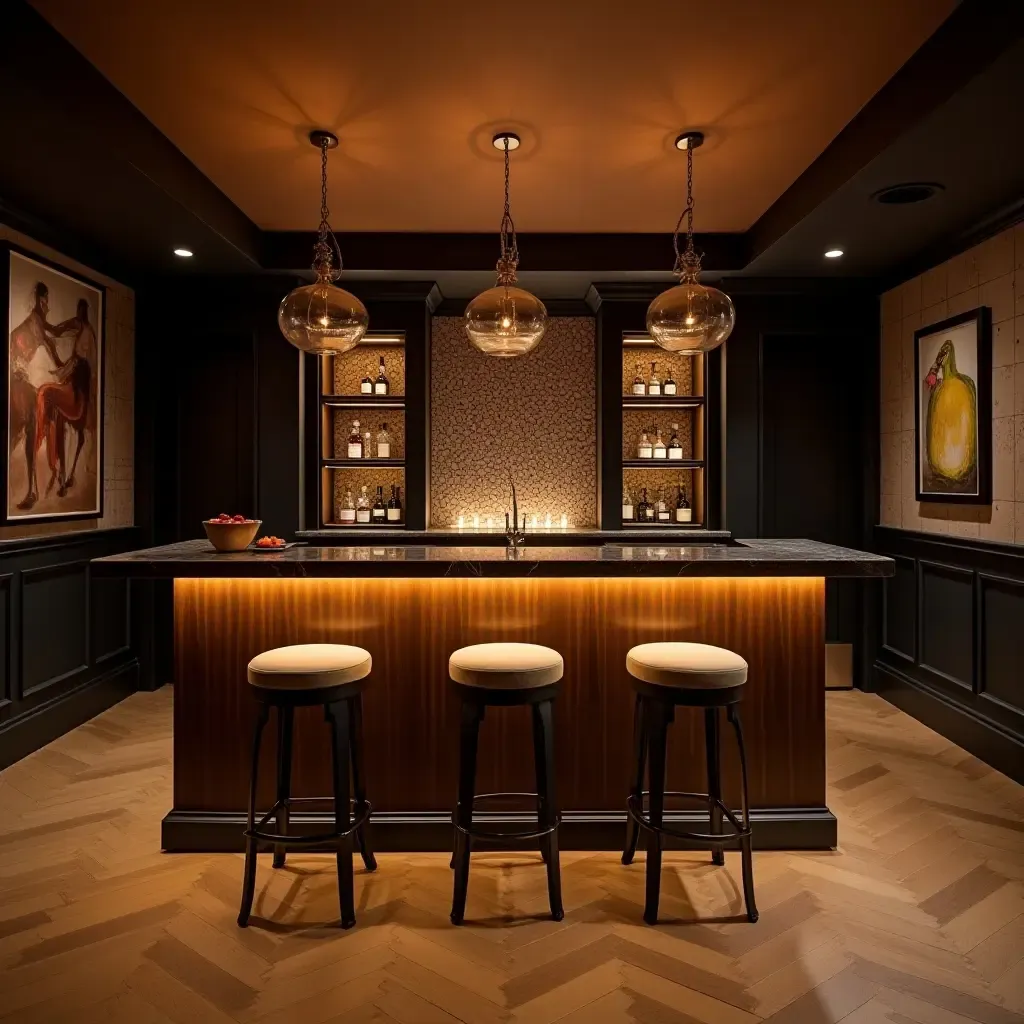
x,y
411,711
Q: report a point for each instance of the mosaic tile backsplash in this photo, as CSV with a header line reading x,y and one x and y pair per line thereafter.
x,y
535,415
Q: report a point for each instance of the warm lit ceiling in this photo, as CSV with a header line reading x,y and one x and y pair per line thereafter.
x,y
597,89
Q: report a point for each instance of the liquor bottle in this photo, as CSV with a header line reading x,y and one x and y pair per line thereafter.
x,y
654,383
383,442
645,510
669,387
381,386
380,510
644,449
348,509
395,505
639,387
366,385
675,449
367,445
355,442
363,506
684,514
627,506
659,447
661,507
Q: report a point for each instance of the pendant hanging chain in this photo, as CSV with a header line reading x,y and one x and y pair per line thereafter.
x,y
324,250
687,263
509,259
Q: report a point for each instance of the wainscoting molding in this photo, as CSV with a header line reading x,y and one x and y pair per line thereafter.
x,y
952,650
66,639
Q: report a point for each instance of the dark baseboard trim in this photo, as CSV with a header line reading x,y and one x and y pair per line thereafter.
x,y
812,828
983,738
27,733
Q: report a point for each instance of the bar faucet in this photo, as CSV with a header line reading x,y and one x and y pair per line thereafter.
x,y
515,536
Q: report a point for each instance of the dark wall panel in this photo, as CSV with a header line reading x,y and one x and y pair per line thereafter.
x,y
1002,639
947,622
5,639
109,607
54,612
900,606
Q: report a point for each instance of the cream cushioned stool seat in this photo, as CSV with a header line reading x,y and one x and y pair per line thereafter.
x,y
506,666
694,666
309,666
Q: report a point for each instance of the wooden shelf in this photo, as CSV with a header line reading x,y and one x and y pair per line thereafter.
x,y
356,463
365,526
662,463
364,401
662,401
671,525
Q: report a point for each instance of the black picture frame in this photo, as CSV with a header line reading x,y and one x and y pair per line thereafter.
x,y
981,492
7,249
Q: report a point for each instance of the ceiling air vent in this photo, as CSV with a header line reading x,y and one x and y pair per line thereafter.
x,y
910,192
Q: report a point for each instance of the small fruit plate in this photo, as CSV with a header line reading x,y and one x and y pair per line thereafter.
x,y
270,548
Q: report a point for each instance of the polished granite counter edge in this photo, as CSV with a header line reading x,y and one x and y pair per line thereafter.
x,y
762,557
359,537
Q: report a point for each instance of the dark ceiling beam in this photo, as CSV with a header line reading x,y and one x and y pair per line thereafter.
x,y
65,125
410,251
967,42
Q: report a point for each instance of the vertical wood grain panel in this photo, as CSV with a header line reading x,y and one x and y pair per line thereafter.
x,y
411,626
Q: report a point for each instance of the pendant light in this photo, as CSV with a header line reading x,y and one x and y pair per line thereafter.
x,y
321,318
691,317
506,321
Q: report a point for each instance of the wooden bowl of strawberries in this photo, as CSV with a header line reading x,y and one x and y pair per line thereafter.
x,y
231,533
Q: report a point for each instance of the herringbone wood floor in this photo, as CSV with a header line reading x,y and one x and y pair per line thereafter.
x,y
918,918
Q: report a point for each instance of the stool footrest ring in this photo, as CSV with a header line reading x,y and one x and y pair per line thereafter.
x,y
635,809
358,821
477,833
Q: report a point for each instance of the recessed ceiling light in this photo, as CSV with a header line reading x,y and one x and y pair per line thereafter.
x,y
184,253
833,254
908,192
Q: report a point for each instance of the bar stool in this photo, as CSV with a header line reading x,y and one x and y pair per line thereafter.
x,y
506,675
299,676
666,676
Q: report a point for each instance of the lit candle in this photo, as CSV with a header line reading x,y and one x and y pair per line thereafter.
x,y
476,521
462,522
490,522
565,521
533,521
547,521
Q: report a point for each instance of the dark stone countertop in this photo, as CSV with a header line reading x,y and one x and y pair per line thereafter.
x,y
197,558
553,537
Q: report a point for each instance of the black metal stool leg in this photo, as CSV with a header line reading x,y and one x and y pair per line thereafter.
x,y
472,715
249,877
544,758
637,792
658,716
745,843
338,715
355,706
713,748
285,724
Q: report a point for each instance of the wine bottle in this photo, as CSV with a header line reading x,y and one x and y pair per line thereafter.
x,y
675,449
659,447
380,510
669,387
661,507
654,383
639,387
366,385
684,514
381,386
644,450
355,442
348,509
383,442
645,510
395,505
627,506
363,506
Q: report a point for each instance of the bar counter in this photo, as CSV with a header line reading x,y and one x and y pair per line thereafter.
x,y
411,605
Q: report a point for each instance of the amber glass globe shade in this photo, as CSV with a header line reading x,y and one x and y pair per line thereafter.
x,y
691,317
505,321
322,319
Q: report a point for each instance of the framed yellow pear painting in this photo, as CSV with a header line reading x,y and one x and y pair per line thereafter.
x,y
953,409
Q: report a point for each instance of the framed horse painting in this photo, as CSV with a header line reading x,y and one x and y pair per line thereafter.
x,y
53,465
